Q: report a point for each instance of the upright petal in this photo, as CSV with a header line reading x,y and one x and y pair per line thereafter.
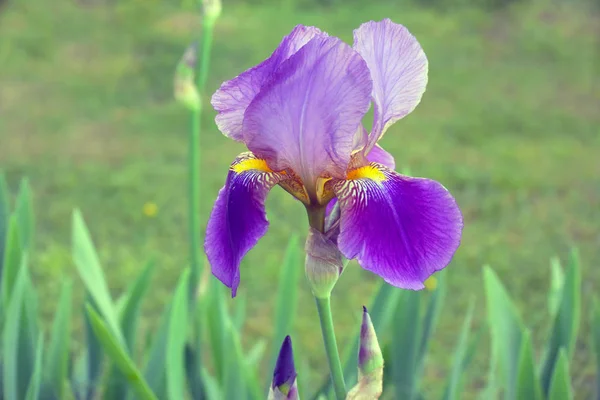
x,y
234,96
398,68
401,228
306,117
238,218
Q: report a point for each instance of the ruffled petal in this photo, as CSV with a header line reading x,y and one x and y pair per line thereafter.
x,y
238,219
401,228
234,96
306,117
398,68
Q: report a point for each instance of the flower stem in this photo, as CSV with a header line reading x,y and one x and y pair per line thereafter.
x,y
333,356
194,158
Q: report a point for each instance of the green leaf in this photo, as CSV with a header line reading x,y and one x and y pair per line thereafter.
x,y
506,330
88,266
88,367
193,370
12,260
566,323
235,373
154,371
556,284
57,363
287,298
128,309
560,384
528,385
213,391
407,334
216,316
596,339
461,354
176,341
239,309
430,320
24,213
13,387
4,216
130,313
118,355
33,391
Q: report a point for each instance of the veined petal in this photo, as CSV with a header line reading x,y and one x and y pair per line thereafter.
x,y
398,68
380,156
306,117
401,228
238,219
234,96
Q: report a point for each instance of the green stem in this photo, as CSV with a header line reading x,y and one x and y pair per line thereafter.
x,y
194,198
333,356
194,159
207,38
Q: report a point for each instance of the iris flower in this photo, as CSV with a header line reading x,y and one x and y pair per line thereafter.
x,y
300,115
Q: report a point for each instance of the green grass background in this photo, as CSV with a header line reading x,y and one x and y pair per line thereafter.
x,y
510,124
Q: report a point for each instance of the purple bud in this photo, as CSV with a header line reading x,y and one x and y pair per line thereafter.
x,y
285,372
370,363
284,377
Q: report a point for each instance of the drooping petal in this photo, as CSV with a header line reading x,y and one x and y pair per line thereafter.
x,y
401,228
306,117
380,156
234,96
238,219
398,68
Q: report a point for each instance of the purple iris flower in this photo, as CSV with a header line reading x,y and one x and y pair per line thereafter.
x,y
300,115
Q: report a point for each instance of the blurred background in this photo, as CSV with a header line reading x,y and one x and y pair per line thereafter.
x,y
510,124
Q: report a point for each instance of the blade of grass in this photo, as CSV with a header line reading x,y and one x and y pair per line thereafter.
x,y
4,216
528,385
287,298
405,346
12,388
57,363
33,391
25,216
176,340
118,355
560,384
506,330
88,266
12,260
566,323
461,353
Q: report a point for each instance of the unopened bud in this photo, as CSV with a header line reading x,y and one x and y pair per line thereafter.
x,y
370,364
324,263
185,88
284,385
211,9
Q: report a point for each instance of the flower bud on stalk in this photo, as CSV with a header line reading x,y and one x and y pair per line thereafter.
x,y
370,364
324,263
211,10
284,377
185,88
